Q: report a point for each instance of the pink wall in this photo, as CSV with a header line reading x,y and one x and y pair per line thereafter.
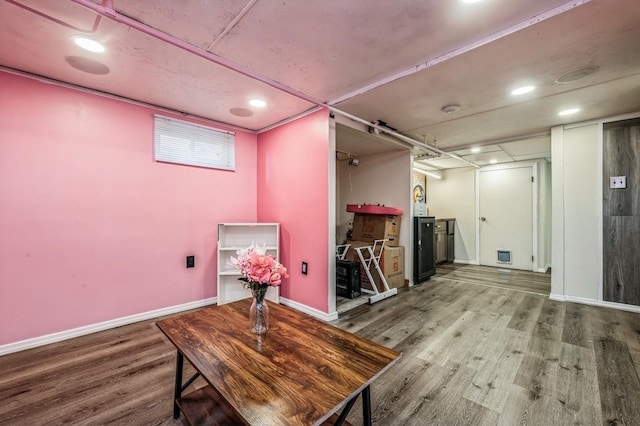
x,y
293,189
91,227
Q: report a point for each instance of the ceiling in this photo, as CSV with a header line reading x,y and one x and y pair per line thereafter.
x,y
397,62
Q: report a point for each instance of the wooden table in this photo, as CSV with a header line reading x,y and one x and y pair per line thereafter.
x,y
301,373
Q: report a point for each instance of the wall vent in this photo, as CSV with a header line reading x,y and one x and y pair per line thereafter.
x,y
504,256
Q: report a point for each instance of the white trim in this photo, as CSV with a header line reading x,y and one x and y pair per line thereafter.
x,y
600,208
466,261
620,117
106,325
290,119
557,297
593,302
332,213
309,310
557,211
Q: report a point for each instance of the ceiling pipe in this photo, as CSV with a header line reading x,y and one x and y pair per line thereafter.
x,y
467,48
233,23
108,11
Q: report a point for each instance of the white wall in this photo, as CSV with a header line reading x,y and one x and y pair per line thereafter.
x,y
576,152
544,219
378,179
454,196
577,211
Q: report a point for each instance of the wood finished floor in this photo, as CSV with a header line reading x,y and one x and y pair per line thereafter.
x,y
474,352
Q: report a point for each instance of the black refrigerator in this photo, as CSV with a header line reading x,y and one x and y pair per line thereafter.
x,y
424,248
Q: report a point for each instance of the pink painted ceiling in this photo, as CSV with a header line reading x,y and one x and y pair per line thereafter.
x,y
398,61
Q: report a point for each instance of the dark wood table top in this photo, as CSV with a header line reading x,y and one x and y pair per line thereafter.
x,y
301,372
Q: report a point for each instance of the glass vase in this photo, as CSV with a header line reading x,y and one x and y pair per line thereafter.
x,y
259,311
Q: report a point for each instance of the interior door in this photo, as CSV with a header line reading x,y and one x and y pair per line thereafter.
x,y
506,217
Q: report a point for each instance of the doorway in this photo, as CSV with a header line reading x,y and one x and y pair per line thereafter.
x,y
507,206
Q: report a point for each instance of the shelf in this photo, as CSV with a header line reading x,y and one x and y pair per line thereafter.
x,y
236,236
236,248
205,407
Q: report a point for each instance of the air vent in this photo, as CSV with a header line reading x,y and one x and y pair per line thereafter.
x,y
576,75
504,256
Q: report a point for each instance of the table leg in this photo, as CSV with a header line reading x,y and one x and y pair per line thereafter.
x,y
177,392
366,406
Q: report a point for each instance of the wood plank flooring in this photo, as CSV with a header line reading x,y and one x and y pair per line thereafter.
x,y
481,346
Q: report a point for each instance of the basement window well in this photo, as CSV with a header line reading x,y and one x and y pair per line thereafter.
x,y
181,142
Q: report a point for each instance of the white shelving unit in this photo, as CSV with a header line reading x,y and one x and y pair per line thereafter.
x,y
235,236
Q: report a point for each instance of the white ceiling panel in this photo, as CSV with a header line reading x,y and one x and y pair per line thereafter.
x,y
530,146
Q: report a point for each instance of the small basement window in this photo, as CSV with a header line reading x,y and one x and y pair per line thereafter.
x,y
181,142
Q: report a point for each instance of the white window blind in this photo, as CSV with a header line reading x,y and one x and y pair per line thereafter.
x,y
187,143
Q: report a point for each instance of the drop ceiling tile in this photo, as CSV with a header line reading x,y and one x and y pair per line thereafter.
x,y
528,146
488,148
486,157
446,163
534,156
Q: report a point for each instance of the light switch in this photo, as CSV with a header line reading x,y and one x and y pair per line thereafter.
x,y
616,182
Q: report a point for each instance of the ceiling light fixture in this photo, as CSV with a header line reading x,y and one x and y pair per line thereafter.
x,y
450,108
493,161
87,65
424,172
258,103
522,90
88,44
575,75
471,1
568,111
476,149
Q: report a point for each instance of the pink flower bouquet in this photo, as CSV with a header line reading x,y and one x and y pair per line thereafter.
x,y
258,269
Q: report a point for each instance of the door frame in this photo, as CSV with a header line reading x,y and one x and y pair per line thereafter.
x,y
533,165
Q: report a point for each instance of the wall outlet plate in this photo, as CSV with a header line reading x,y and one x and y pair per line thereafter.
x,y
616,182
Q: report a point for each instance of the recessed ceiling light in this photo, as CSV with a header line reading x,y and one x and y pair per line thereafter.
x,y
522,90
471,1
258,103
476,149
88,44
493,161
568,111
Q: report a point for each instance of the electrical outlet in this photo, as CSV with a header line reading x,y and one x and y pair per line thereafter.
x,y
616,182
191,261
305,268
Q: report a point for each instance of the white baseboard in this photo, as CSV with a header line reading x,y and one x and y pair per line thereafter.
x,y
594,302
88,329
309,310
466,261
